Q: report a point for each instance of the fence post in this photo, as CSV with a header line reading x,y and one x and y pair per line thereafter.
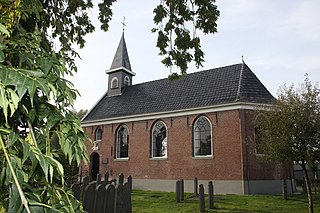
x,y
106,177
195,187
284,189
89,197
130,183
182,190
76,190
110,198
178,191
201,198
211,195
98,179
84,185
121,179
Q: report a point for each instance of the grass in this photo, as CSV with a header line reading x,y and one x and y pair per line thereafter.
x,y
153,202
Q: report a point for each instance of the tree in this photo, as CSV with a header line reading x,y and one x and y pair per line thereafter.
x,y
291,130
80,114
38,130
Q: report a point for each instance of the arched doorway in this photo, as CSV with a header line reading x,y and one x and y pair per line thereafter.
x,y
95,159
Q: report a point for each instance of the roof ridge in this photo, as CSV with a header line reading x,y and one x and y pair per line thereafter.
x,y
188,74
240,81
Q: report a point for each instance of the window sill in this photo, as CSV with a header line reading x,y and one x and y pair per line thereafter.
x,y
159,158
205,157
121,159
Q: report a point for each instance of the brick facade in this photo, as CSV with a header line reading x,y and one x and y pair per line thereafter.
x,y
233,157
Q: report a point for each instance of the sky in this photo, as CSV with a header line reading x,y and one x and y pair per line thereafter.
x,y
279,41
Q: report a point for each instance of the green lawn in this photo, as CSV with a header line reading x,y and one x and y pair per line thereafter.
x,y
152,202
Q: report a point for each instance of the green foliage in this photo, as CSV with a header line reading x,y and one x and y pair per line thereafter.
x,y
291,130
105,13
36,103
163,202
174,20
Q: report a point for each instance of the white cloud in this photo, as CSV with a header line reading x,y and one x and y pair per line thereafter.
x,y
303,21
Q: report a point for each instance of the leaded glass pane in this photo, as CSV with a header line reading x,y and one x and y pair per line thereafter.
x,y
122,142
202,137
159,140
98,134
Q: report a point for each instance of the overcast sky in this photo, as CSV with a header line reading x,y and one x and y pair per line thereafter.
x,y
279,40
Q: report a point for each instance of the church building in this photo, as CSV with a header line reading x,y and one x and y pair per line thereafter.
x,y
199,126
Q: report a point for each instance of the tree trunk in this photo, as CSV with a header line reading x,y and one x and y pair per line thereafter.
x,y
308,186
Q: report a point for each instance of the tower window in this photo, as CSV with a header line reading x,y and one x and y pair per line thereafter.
x,y
114,83
127,81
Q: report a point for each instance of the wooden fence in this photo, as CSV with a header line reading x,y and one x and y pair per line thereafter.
x,y
110,196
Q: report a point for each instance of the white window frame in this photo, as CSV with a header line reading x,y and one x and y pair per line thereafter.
x,y
98,134
114,85
118,148
195,140
164,141
126,80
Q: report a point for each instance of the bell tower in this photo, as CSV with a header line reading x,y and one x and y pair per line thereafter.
x,y
120,73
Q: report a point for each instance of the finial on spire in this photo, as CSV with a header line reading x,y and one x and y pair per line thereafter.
x,y
123,23
242,59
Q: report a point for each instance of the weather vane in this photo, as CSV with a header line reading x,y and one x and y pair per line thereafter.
x,y
123,23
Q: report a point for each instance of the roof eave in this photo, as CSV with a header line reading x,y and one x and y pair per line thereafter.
x,y
181,112
120,68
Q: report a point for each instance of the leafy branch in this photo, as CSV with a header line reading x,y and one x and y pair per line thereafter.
x,y
22,196
177,25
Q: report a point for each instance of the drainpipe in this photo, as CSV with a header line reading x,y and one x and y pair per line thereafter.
x,y
247,165
247,153
245,161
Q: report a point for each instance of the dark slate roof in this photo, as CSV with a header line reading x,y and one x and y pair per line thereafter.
x,y
121,58
230,84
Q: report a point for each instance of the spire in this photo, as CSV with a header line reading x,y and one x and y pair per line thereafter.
x,y
121,58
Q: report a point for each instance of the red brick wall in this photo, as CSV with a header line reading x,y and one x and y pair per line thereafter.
x,y
227,162
255,167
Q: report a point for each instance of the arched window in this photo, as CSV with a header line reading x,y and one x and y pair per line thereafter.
x,y
98,134
122,142
159,140
114,83
202,137
126,81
